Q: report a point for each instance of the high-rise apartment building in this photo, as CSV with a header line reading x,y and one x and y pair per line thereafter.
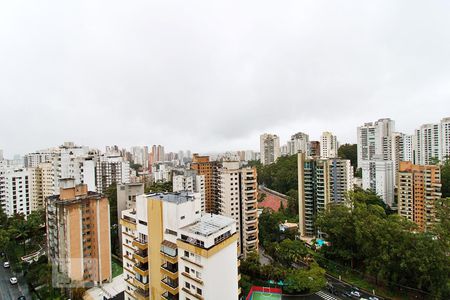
x,y
328,145
140,156
171,251
428,144
157,153
445,138
208,169
419,188
126,199
43,183
314,148
320,182
238,199
16,191
111,169
374,139
378,176
190,181
269,148
78,235
299,143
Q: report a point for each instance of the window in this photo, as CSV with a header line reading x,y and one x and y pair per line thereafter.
x,y
186,254
186,269
183,217
199,291
188,285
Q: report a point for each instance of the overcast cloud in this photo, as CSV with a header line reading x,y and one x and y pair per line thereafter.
x,y
213,75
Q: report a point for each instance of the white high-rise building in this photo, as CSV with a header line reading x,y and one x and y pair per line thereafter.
x,y
374,139
111,169
445,139
378,176
190,181
428,144
299,143
328,145
408,148
270,148
16,191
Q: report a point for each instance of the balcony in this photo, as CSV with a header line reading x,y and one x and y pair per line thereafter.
x,y
141,285
128,222
169,296
252,240
170,270
141,256
251,230
250,220
141,269
170,285
140,244
141,294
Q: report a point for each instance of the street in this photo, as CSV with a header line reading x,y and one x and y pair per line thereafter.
x,y
9,291
339,286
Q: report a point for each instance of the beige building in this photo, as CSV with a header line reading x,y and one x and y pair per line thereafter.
x,y
171,251
238,199
78,235
419,187
43,179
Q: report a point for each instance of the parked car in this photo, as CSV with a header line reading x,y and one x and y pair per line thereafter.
x,y
21,298
355,294
373,298
13,280
6,264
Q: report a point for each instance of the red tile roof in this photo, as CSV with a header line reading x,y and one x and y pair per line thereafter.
x,y
272,201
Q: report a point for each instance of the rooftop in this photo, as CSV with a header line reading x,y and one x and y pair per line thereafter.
x,y
178,197
209,224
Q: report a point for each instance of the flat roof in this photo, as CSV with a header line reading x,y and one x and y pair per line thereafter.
x,y
209,224
178,197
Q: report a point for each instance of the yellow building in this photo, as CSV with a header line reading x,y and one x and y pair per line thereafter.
x,y
171,251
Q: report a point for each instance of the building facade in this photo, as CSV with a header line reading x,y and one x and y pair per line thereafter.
x,y
419,188
320,182
204,167
171,251
269,148
328,145
78,235
378,176
238,199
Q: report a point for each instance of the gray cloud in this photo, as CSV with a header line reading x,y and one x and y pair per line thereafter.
x,y
213,75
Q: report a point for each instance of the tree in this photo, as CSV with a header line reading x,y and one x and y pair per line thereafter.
x,y
290,252
311,280
349,151
445,178
280,176
388,247
136,167
159,187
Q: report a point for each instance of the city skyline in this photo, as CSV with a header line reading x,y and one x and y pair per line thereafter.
x,y
145,76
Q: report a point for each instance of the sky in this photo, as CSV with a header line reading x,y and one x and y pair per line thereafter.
x,y
214,75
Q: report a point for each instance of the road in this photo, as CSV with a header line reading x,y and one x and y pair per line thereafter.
x,y
340,286
9,291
